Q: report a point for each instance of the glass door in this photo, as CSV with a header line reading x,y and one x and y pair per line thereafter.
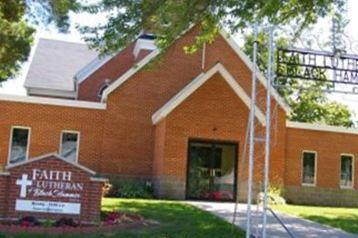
x,y
211,171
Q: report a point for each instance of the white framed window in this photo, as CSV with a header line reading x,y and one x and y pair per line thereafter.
x,y
69,145
309,168
19,144
347,171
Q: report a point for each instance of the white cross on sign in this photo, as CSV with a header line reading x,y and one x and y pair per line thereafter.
x,y
23,182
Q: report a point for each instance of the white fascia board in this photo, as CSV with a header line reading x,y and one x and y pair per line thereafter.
x,y
319,127
52,101
91,67
129,74
50,92
57,156
197,83
250,65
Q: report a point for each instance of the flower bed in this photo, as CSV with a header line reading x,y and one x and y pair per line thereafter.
x,y
113,221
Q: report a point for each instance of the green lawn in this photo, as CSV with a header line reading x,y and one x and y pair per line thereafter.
x,y
342,218
175,220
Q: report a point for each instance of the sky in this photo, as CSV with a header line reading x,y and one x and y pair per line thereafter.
x,y
320,33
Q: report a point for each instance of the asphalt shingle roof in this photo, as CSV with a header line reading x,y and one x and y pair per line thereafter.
x,y
55,64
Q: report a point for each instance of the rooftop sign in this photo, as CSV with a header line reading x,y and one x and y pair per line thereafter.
x,y
336,69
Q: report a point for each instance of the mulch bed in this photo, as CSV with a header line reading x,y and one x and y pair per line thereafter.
x,y
14,229
115,221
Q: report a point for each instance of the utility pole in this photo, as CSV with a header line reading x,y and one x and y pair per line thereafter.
x,y
251,136
268,131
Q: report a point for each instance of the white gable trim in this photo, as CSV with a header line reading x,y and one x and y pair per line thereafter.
x,y
52,101
197,83
129,74
91,67
49,155
250,65
318,127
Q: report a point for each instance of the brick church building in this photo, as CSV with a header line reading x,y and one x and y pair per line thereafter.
x,y
175,119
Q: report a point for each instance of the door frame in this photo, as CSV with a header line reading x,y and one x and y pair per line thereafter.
x,y
212,142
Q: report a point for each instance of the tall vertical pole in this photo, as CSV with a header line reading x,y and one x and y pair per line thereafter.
x,y
268,130
251,136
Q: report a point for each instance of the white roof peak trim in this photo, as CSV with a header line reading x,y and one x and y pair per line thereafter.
x,y
202,78
52,101
118,82
57,156
143,44
91,67
250,65
319,127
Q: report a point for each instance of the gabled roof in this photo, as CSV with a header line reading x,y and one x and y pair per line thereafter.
x,y
55,64
189,89
53,155
231,43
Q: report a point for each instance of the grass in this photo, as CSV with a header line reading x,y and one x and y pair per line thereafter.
x,y
176,220
339,217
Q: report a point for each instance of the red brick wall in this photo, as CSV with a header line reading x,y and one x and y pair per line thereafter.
x,y
46,124
130,149
121,139
89,88
4,187
328,145
148,90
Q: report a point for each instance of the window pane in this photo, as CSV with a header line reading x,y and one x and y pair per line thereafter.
x,y
308,172
346,171
19,145
69,146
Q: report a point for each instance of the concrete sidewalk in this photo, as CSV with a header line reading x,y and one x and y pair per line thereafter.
x,y
301,228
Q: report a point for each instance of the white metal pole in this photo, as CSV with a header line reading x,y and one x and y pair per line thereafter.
x,y
268,128
251,137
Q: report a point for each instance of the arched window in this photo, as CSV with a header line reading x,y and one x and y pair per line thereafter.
x,y
102,88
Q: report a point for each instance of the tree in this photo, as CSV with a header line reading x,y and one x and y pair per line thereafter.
x,y
16,33
169,18
307,99
127,18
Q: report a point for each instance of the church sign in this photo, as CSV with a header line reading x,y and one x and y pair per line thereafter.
x,y
51,187
336,69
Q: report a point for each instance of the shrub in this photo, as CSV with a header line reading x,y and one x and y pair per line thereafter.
x,y
29,221
275,197
129,189
65,222
48,223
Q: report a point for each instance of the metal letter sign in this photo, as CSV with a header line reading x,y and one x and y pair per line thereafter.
x,y
338,70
